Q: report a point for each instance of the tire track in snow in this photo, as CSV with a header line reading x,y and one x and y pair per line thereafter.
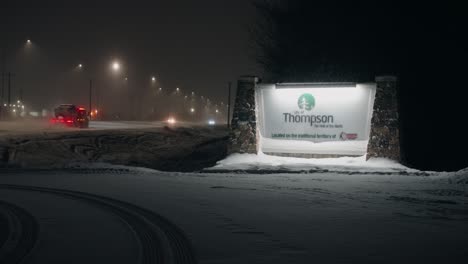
x,y
160,240
21,233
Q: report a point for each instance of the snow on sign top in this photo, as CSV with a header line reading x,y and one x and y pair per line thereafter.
x,y
293,118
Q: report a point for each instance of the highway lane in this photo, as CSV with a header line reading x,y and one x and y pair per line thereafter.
x,y
43,126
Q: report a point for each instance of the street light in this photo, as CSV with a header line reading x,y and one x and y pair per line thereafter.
x,y
6,77
153,79
115,66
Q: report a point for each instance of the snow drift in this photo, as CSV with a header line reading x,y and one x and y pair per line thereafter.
x,y
169,149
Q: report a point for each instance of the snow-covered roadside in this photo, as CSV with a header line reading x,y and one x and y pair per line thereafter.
x,y
457,177
166,148
265,162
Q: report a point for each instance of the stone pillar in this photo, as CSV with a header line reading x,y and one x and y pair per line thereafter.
x,y
243,136
384,138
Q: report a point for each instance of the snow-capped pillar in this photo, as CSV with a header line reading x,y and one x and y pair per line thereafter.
x,y
243,136
384,139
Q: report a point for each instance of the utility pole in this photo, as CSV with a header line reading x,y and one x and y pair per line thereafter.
x,y
3,86
90,95
3,72
98,107
9,90
2,101
229,106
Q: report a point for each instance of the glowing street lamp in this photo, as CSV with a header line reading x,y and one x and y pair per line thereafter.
x,y
28,41
116,66
80,65
153,79
192,110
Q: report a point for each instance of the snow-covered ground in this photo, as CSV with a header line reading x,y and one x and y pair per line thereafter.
x,y
359,216
245,209
43,126
265,163
169,148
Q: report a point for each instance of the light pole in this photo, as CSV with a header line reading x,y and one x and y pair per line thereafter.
x,y
80,67
90,96
116,66
4,76
229,106
3,71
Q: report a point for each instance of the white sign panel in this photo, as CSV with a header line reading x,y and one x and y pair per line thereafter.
x,y
314,114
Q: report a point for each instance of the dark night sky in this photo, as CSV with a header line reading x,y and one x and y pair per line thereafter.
x,y
194,45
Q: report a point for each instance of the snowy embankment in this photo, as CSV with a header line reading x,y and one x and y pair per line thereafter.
x,y
458,177
267,164
170,149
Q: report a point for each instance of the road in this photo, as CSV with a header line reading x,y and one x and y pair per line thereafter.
x,y
41,126
244,218
127,233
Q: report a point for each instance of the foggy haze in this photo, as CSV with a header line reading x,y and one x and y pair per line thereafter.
x,y
195,46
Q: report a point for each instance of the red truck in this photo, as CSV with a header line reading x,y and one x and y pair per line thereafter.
x,y
71,115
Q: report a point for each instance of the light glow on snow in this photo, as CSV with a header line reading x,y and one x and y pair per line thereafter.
x,y
354,148
269,162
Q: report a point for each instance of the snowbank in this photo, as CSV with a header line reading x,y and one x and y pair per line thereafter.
x,y
459,177
168,149
274,163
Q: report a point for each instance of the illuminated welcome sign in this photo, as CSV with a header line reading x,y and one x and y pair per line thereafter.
x,y
319,118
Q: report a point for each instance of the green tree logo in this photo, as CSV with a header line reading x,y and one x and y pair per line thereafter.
x,y
306,102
